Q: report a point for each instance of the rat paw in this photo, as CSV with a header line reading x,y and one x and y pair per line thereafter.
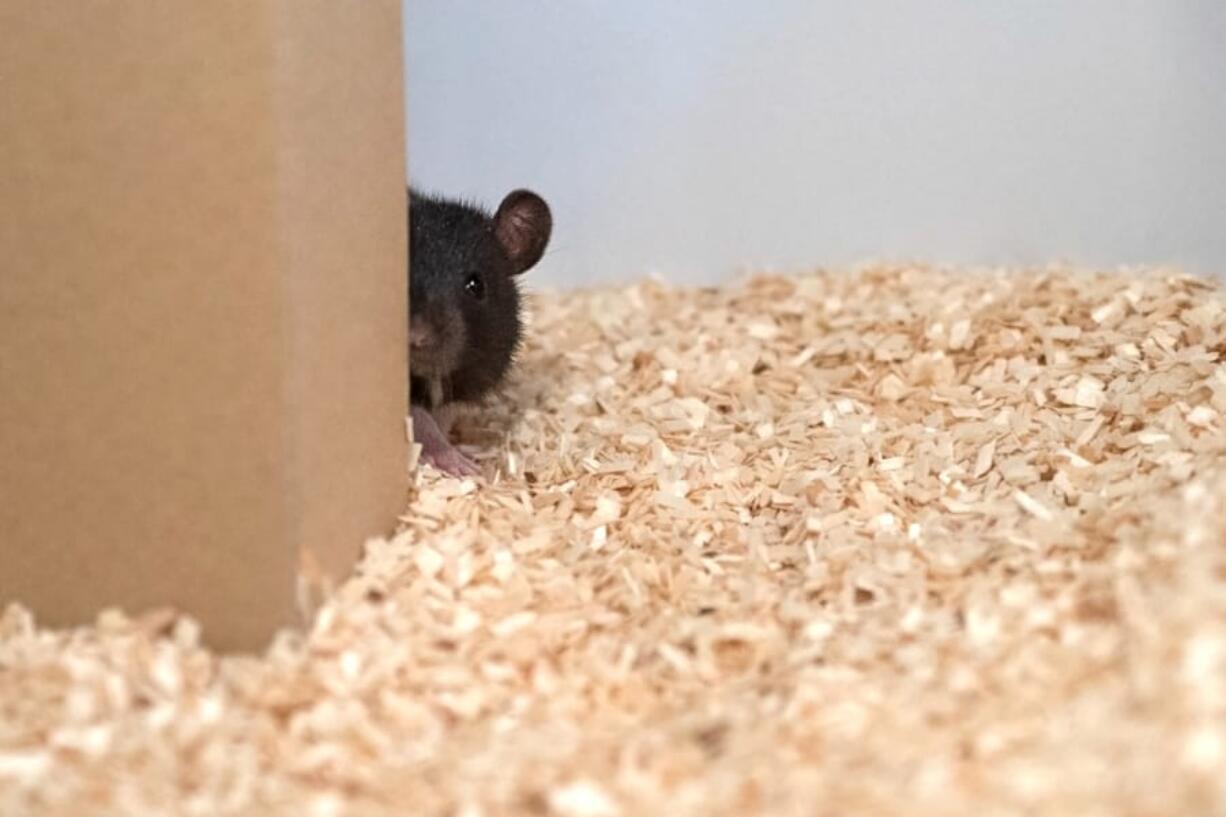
x,y
436,450
451,462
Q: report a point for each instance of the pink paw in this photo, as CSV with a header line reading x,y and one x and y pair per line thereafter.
x,y
452,462
437,450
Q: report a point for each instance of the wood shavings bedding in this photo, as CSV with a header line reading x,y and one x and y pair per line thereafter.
x,y
904,540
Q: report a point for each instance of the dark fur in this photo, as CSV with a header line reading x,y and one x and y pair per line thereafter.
x,y
448,242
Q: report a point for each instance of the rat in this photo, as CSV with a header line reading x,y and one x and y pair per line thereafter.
x,y
465,324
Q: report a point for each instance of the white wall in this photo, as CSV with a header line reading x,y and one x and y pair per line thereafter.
x,y
697,137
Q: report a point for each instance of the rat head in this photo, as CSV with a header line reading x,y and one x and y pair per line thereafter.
x,y
464,321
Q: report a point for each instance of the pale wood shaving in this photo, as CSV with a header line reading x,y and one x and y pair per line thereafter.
x,y
899,541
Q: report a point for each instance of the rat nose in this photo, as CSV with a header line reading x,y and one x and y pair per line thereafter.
x,y
421,336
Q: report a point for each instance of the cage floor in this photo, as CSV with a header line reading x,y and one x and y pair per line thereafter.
x,y
898,541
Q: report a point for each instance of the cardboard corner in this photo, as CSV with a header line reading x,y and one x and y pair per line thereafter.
x,y
203,348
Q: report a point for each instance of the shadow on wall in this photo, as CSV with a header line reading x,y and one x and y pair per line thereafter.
x,y
692,139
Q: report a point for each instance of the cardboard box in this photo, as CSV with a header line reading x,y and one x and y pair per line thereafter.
x,y
203,303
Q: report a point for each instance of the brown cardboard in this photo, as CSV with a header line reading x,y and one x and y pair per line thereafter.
x,y
202,303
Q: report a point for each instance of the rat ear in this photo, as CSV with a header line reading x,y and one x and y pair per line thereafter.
x,y
523,224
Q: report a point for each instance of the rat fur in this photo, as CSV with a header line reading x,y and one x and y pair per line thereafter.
x,y
464,305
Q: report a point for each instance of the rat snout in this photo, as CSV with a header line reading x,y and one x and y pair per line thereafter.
x,y
436,340
421,336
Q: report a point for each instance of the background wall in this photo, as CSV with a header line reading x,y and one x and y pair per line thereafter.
x,y
699,137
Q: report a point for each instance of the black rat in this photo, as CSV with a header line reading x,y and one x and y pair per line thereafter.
x,y
464,306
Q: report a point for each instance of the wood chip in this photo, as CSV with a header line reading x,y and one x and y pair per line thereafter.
x,y
899,540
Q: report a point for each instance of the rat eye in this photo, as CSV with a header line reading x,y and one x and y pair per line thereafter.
x,y
474,286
